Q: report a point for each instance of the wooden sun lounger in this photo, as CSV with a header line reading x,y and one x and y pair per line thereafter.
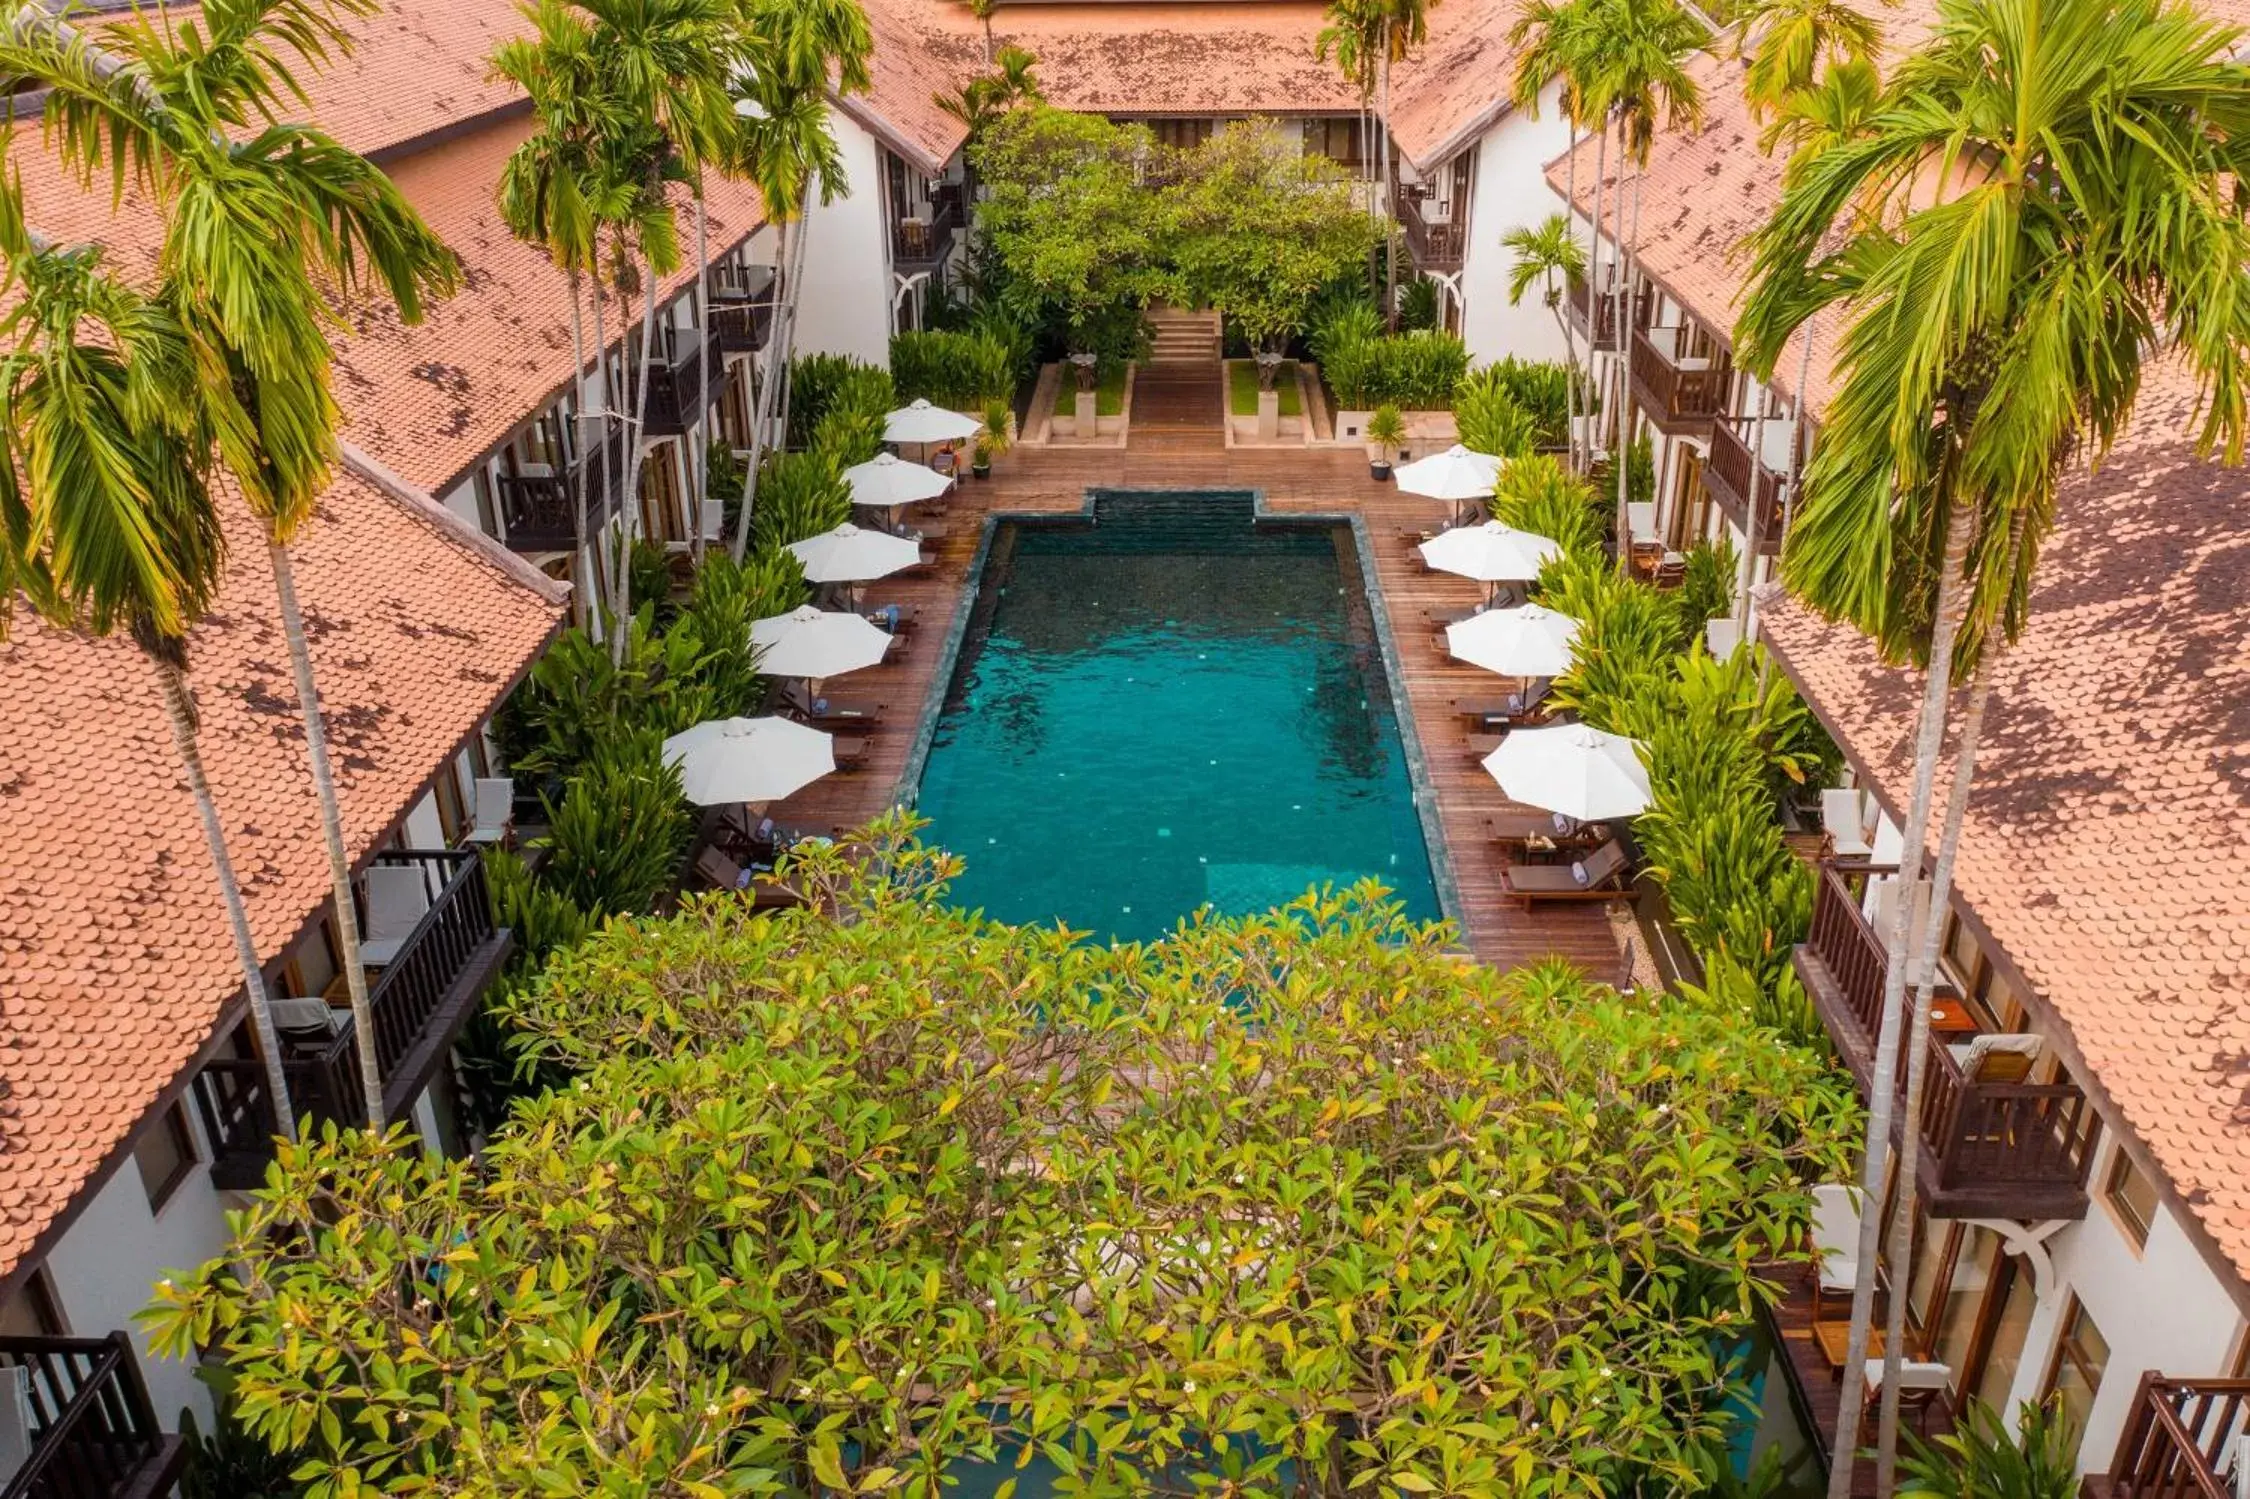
x,y
1522,827
1480,745
1604,874
860,714
851,751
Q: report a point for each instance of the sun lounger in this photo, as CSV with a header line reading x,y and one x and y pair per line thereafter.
x,y
1477,746
851,751
859,714
1523,827
1603,874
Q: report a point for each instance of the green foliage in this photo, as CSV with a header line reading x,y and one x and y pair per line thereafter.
x,y
957,370
1979,1460
1258,228
576,700
1489,421
722,471
718,614
801,495
850,432
615,840
652,577
230,1462
1640,471
1706,589
999,428
1418,305
544,920
1071,215
818,382
1338,320
836,1202
1541,495
1418,371
1386,427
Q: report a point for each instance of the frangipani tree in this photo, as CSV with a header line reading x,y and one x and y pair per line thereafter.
x,y
2043,201
1296,1199
265,221
1259,229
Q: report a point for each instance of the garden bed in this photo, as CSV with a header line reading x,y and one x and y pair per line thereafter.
x,y
1242,388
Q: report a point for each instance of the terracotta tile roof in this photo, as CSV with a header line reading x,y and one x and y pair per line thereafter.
x,y
114,957
2104,849
1193,58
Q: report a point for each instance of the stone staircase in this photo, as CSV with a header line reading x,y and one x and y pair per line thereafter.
x,y
1180,337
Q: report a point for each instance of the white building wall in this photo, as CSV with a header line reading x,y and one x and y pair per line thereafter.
x,y
104,1268
1510,190
844,297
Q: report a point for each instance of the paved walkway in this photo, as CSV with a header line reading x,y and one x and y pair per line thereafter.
x,y
1312,479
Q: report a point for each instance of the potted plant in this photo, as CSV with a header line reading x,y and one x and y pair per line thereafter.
x,y
980,463
1386,430
999,425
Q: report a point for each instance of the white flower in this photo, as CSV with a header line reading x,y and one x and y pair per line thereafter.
x,y
1187,1386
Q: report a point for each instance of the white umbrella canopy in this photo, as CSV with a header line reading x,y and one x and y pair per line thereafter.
x,y
727,760
1526,642
809,642
1455,474
1574,769
888,481
850,555
1490,553
919,421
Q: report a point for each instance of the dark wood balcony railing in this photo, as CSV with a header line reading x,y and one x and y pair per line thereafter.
x,y
540,511
92,1432
672,386
739,325
1988,1148
2183,1440
920,244
1436,244
1604,335
419,1001
1679,392
1734,473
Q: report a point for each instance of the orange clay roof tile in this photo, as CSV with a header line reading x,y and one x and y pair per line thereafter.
x,y
117,962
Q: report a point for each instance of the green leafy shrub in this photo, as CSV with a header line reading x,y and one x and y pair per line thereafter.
x,y
575,701
1706,590
1490,421
1418,305
1541,495
801,495
652,578
229,1462
1340,320
957,370
615,839
1412,1225
1418,371
850,433
717,617
820,381
1538,388
1979,1460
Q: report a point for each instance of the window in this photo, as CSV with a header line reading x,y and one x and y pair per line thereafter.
x,y
165,1152
2075,1377
31,1310
453,816
2003,1354
2131,1195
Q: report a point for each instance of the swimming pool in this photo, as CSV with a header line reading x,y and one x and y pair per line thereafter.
x,y
1165,704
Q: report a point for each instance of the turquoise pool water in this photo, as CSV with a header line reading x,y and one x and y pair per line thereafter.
x,y
1168,706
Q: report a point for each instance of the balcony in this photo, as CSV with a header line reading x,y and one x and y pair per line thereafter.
x,y
1437,244
672,385
2183,1440
91,1433
539,506
739,324
1733,471
1604,337
420,1000
1681,393
1990,1148
920,244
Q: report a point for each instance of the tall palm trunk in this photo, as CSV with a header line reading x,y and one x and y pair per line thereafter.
x,y
789,326
1800,451
578,605
1594,281
331,830
1570,345
698,438
1384,190
1624,376
1952,603
636,454
595,475
169,656
761,402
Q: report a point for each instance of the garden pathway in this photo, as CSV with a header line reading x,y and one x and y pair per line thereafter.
x,y
1309,479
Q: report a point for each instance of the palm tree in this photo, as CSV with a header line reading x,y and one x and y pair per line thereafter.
x,y
1548,255
1403,26
1352,34
1638,81
982,10
1553,45
2041,204
257,232
1789,44
106,517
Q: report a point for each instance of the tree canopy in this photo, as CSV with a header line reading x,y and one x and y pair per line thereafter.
x,y
1260,228
837,1200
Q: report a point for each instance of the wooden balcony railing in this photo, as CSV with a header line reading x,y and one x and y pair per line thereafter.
x,y
1677,391
1604,336
92,1432
540,511
1436,244
740,325
920,244
672,386
1988,1148
418,1000
2183,1439
1734,473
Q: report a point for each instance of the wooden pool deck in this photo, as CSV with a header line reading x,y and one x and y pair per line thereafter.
x,y
1055,479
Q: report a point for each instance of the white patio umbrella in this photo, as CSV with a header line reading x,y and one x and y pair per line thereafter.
x,y
728,760
1455,475
1574,769
815,643
1527,642
849,554
1490,553
921,422
888,481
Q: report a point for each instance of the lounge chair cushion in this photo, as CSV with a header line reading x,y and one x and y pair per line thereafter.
x,y
1835,1234
1913,1374
1997,1057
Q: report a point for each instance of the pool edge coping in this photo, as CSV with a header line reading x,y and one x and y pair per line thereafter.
x,y
908,791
